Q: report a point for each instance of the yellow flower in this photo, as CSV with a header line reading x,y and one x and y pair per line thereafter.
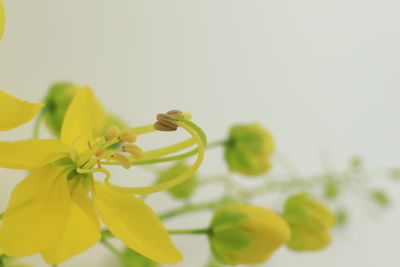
x,y
246,234
2,19
13,111
55,210
248,149
310,222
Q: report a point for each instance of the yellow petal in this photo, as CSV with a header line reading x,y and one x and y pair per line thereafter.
x,y
81,232
36,213
84,117
30,154
13,111
2,19
132,221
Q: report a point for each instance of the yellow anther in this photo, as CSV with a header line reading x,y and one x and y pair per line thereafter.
x,y
134,150
128,137
122,159
112,133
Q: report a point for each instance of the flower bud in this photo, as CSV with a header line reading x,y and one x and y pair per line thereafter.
x,y
57,101
310,222
183,190
248,149
246,234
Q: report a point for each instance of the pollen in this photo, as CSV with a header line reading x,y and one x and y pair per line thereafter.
x,y
128,137
112,133
122,159
134,150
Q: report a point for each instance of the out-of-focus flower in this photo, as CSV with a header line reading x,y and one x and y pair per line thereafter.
x,y
2,19
183,190
55,210
246,234
248,149
310,222
15,112
57,101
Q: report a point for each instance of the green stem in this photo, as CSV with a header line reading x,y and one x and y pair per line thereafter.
x,y
216,144
36,127
201,231
113,249
251,193
195,207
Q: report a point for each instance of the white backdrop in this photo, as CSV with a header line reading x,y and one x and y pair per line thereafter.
x,y
319,74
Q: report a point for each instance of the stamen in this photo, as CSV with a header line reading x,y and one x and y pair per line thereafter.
x,y
122,159
134,150
112,133
199,136
167,121
128,137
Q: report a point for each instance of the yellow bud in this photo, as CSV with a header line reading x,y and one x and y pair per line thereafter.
x,y
112,133
122,159
183,190
128,137
134,150
246,234
248,149
310,222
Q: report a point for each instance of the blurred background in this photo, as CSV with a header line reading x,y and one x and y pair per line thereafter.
x,y
322,76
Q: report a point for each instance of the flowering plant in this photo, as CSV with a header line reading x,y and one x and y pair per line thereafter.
x,y
68,201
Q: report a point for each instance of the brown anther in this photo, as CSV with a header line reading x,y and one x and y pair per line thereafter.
x,y
128,137
112,133
99,152
166,122
122,159
89,144
134,150
175,112
99,164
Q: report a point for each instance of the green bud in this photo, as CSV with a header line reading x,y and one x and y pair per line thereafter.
x,y
133,259
246,234
183,190
248,149
57,101
341,217
331,189
356,162
381,198
310,222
